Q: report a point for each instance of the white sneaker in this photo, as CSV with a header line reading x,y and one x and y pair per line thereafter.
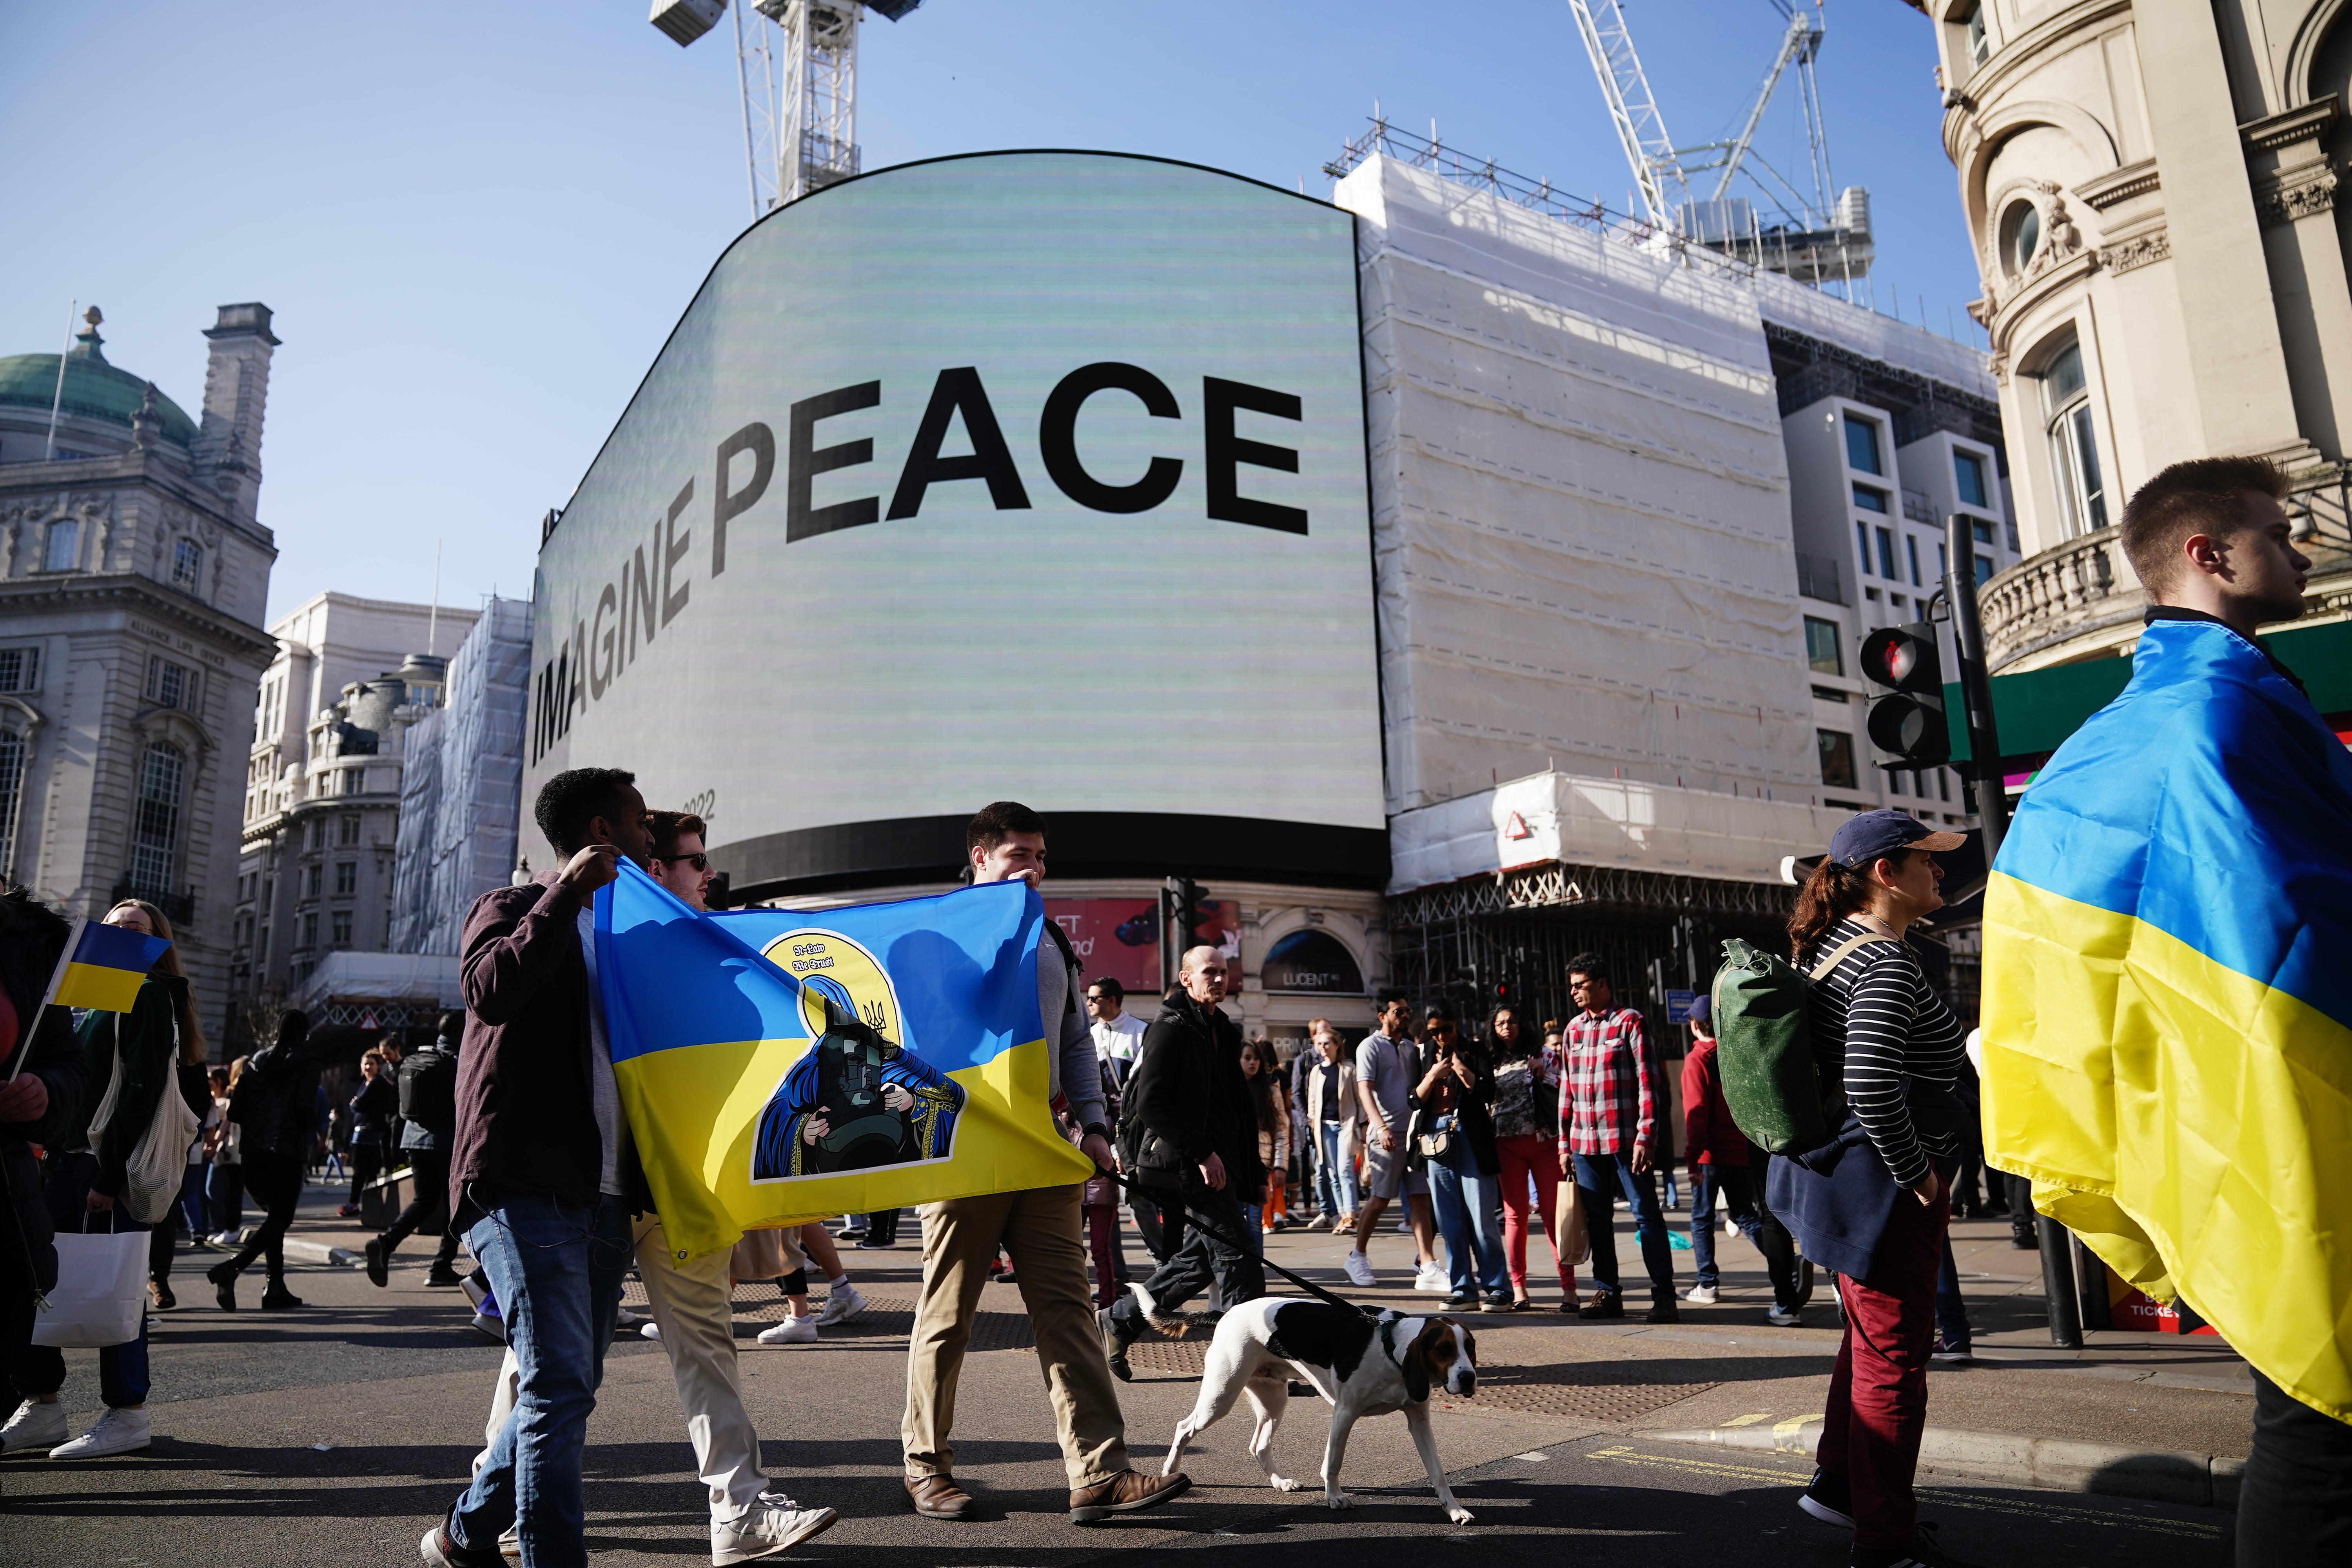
x,y
116,1432
228,1239
1432,1277
651,1332
628,1320
1360,1270
35,1425
776,1524
1782,1317
790,1332
1704,1295
840,1307
510,1541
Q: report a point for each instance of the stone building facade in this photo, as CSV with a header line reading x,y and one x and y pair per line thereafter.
x,y
323,781
133,579
2152,189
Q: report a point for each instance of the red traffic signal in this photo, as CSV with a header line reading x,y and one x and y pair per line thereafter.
x,y
1907,723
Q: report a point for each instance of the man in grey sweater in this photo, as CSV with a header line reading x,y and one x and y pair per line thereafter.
x,y
1041,1229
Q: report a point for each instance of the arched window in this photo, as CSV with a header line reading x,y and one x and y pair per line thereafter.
x,y
155,828
63,550
2074,446
13,754
2021,237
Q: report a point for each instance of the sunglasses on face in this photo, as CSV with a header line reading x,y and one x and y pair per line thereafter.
x,y
699,862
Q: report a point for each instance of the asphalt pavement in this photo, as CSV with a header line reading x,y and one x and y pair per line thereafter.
x,y
338,1433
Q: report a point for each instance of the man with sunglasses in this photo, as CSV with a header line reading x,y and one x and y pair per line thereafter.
x,y
680,862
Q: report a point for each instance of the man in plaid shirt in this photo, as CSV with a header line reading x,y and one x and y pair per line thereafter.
x,y
1608,1127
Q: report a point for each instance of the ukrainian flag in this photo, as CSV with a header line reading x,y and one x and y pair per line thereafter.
x,y
2167,1001
104,966
777,1065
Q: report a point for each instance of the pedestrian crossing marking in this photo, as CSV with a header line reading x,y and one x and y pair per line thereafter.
x,y
2055,1512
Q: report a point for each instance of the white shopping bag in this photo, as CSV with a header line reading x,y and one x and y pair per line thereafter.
x,y
101,1292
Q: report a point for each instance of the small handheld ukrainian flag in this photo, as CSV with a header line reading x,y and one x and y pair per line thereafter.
x,y
103,966
777,1065
2167,1001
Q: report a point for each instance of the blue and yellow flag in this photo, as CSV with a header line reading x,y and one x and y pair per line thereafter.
x,y
778,1065
2167,1001
104,966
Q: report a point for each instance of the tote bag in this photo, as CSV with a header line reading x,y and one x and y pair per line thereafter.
x,y
100,1297
159,1162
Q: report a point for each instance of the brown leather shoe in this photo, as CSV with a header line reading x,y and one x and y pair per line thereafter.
x,y
938,1496
1126,1492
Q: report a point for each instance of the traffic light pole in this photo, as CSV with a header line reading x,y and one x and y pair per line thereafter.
x,y
1992,813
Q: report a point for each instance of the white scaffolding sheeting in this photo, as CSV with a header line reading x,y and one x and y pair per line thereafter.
x,y
461,788
1580,511
1551,816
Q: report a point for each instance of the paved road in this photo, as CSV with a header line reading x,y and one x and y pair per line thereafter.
x,y
336,1434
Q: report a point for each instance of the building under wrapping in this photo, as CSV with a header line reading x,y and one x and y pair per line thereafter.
x,y
1606,706
461,794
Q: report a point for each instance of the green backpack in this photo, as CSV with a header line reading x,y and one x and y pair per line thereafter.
x,y
1765,1047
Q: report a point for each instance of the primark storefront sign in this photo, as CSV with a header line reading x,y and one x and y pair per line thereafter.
x,y
1028,475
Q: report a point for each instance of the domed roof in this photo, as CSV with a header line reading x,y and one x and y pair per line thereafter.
x,y
94,389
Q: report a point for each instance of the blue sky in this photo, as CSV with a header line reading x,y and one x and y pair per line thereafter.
x,y
477,222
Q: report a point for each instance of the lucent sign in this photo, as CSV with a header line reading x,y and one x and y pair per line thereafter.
x,y
1035,475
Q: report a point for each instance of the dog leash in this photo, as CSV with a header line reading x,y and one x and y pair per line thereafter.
x,y
1157,1201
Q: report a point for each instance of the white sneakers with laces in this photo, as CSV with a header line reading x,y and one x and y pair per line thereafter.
x,y
790,1332
776,1523
1704,1295
116,1432
1360,1270
35,1425
1432,1277
842,1305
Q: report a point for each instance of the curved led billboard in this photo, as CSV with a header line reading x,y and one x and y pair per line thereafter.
x,y
1037,476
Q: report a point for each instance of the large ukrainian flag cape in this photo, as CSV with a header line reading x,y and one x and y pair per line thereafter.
x,y
777,1065
2167,1001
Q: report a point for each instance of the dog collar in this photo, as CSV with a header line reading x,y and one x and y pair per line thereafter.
x,y
1389,1320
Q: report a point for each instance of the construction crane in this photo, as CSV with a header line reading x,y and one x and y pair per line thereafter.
x,y
796,70
1814,237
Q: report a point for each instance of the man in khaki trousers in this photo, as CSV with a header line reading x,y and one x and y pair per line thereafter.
x,y
1042,1231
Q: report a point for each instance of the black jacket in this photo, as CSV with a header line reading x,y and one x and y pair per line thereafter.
x,y
31,937
147,1039
1187,1099
374,1109
285,1120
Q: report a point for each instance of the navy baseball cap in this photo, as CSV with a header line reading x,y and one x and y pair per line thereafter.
x,y
1702,1010
1876,834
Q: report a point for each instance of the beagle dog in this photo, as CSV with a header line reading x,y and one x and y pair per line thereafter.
x,y
1364,1366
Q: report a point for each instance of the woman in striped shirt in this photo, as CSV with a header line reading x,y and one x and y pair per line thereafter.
x,y
1874,1203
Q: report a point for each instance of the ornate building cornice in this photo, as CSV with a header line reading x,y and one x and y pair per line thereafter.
x,y
2139,251
2307,190
2283,131
2119,185
130,591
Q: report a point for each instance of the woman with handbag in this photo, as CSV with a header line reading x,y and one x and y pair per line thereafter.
x,y
1455,1131
1527,1146
130,1059
1873,1204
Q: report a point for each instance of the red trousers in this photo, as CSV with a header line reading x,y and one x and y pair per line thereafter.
x,y
1536,1157
1878,1396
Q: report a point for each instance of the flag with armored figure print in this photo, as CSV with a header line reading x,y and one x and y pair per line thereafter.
x,y
778,1065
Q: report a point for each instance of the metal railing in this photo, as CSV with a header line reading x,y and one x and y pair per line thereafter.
x,y
1819,577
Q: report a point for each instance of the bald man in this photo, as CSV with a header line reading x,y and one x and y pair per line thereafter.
x,y
1195,1139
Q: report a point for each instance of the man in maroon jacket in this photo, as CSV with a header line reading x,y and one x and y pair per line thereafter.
x,y
541,1168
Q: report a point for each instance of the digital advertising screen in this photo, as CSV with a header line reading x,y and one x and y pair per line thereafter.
x,y
1032,476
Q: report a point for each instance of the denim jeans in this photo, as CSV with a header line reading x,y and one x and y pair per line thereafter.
x,y
1736,1184
36,1369
1599,1178
1469,1216
225,1197
1201,1257
1951,1310
1335,1178
557,1269
1254,1228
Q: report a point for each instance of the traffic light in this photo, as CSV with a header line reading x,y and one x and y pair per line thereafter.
x,y
1907,722
1189,912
